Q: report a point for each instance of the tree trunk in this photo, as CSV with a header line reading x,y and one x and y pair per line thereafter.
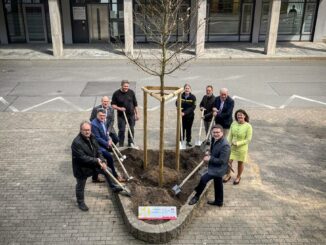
x,y
161,141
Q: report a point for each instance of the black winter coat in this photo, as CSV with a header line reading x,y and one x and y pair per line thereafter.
x,y
220,153
188,105
84,156
208,104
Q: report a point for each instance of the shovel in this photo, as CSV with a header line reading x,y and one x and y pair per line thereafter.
x,y
177,188
182,142
203,144
122,157
132,137
122,166
198,142
127,192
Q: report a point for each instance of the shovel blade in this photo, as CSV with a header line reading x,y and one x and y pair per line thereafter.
x,y
182,146
198,142
133,146
125,192
130,178
204,146
176,189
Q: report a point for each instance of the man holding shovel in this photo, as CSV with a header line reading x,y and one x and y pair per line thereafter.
x,y
217,161
87,160
207,104
124,101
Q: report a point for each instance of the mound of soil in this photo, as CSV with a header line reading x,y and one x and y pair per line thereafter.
x,y
145,188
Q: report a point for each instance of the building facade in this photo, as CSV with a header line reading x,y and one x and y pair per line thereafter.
x,y
96,21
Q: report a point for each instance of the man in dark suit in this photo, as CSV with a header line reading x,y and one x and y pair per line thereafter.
x,y
223,109
86,160
217,166
99,130
109,119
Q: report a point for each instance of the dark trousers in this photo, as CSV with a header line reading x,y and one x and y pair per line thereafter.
x,y
187,125
110,164
218,186
122,129
81,183
206,125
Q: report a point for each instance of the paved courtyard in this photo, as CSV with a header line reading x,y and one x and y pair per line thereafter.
x,y
281,198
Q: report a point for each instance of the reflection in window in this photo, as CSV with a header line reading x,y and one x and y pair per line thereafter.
x,y
224,16
148,20
14,16
291,17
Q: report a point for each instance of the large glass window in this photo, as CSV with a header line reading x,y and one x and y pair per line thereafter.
x,y
116,20
27,20
147,21
15,22
296,19
229,20
224,17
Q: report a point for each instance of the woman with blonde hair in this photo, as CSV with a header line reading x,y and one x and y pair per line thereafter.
x,y
239,138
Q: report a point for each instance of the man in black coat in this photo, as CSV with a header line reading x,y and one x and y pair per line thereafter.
x,y
207,104
223,109
124,101
217,167
87,160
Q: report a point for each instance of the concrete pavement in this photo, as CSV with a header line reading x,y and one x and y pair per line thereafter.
x,y
236,50
281,198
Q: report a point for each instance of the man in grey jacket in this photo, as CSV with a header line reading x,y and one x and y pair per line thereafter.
x,y
109,119
217,166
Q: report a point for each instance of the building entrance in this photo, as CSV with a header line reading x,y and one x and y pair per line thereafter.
x,y
98,23
35,25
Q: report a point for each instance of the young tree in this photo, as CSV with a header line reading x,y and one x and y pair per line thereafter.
x,y
166,24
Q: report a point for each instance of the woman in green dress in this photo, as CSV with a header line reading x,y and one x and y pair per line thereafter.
x,y
239,137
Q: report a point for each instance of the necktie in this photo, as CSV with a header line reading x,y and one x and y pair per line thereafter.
x,y
104,129
221,107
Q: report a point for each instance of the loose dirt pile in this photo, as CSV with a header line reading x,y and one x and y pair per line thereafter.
x,y
144,187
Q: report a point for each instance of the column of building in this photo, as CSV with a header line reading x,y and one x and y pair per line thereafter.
x,y
272,27
201,26
128,26
320,29
56,32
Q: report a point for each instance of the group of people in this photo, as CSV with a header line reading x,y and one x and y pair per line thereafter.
x,y
229,139
91,147
228,142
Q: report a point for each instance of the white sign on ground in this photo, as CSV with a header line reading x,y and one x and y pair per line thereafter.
x,y
157,212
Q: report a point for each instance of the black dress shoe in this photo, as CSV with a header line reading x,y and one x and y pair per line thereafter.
x,y
227,179
82,206
98,180
189,144
219,204
116,189
193,200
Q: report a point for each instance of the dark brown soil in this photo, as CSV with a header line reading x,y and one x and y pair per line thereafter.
x,y
144,187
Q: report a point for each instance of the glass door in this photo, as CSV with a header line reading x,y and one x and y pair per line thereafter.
x,y
246,21
98,22
35,25
116,21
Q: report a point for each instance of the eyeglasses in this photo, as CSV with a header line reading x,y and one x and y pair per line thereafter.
x,y
216,132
